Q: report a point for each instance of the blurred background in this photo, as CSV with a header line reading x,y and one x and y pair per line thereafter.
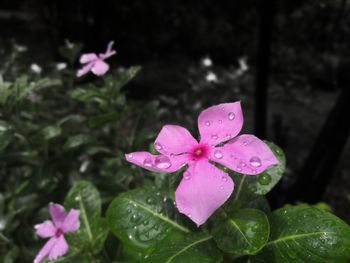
x,y
288,62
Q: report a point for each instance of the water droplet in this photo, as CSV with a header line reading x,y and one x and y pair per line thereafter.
x,y
130,155
231,116
224,178
245,143
265,179
130,236
218,154
189,215
145,222
129,211
207,123
149,200
255,161
156,227
148,162
221,187
158,146
228,136
220,121
187,175
162,162
239,169
134,218
214,137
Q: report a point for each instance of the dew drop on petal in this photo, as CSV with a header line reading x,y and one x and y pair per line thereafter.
x,y
255,161
187,175
158,146
214,137
224,178
231,116
220,121
207,123
218,154
162,162
148,162
221,187
189,215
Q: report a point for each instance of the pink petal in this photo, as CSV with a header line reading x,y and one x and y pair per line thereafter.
x,y
245,154
59,248
174,139
58,214
84,70
45,229
109,51
220,123
203,189
86,58
45,250
71,223
100,68
157,163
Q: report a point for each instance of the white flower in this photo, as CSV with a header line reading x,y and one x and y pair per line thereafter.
x,y
35,68
20,48
211,77
207,62
61,66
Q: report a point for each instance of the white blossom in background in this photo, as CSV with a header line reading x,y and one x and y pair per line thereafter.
x,y
35,68
243,64
69,44
61,66
207,62
211,77
20,48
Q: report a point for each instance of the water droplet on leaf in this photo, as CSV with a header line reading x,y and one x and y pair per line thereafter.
x,y
265,179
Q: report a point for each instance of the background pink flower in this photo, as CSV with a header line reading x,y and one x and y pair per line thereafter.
x,y
61,223
95,63
204,187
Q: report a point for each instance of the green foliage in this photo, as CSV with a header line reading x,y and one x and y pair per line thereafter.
x,y
184,248
306,234
245,233
54,132
140,218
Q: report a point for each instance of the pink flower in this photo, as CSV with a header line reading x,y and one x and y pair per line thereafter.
x,y
61,223
95,63
204,187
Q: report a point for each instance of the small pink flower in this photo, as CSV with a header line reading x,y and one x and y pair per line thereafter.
x,y
204,187
61,223
95,63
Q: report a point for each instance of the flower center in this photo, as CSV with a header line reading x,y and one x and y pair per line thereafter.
x,y
59,232
199,152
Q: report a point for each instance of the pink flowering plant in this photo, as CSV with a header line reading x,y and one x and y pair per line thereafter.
x,y
136,189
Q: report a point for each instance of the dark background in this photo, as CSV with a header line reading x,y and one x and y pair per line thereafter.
x,y
295,92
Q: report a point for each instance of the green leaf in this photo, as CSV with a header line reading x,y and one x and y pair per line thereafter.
x,y
94,229
52,131
141,217
102,119
179,248
245,233
306,234
76,141
6,134
88,95
123,78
